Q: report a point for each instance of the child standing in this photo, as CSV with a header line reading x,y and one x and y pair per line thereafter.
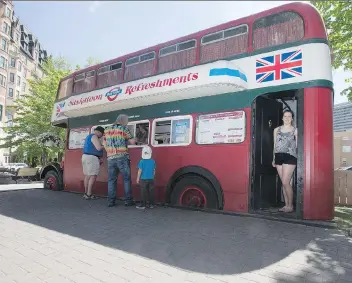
x,y
146,173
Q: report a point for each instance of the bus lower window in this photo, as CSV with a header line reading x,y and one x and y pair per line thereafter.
x,y
142,133
162,132
176,131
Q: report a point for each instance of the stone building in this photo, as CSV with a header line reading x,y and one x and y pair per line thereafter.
x,y
21,56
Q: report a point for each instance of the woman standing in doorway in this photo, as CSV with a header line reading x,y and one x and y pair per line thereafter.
x,y
285,156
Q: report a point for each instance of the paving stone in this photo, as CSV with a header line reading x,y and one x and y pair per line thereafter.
x,y
51,237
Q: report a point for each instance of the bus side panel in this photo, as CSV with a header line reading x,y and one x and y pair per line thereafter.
x,y
228,163
73,172
318,197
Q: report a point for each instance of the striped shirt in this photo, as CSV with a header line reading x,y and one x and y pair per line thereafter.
x,y
116,140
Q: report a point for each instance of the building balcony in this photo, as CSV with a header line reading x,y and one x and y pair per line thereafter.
x,y
14,54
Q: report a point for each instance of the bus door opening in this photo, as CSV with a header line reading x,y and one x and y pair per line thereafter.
x,y
266,187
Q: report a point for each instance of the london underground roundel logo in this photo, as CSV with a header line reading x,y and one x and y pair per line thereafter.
x,y
113,93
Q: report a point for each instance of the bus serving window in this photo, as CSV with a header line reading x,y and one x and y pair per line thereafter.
x,y
226,127
172,131
140,130
224,43
277,29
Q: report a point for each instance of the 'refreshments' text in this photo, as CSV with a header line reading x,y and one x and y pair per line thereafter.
x,y
162,83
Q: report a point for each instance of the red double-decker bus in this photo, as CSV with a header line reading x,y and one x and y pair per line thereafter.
x,y
210,102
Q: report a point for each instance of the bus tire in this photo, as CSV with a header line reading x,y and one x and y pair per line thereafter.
x,y
51,181
194,191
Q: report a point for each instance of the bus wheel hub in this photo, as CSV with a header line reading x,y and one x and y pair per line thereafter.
x,y
193,197
52,183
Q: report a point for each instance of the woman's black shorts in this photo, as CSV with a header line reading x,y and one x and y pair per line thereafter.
x,y
285,158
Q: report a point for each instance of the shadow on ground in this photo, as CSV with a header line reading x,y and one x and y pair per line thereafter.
x,y
199,242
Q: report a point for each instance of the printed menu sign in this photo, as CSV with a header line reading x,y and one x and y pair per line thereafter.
x,y
180,131
78,137
227,127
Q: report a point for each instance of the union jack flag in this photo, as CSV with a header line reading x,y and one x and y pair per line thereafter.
x,y
58,108
279,67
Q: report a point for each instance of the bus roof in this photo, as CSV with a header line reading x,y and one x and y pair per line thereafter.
x,y
293,54
306,10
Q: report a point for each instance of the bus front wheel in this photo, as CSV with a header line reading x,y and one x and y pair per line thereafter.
x,y
195,192
51,181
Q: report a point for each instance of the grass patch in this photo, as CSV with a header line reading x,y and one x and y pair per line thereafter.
x,y
343,218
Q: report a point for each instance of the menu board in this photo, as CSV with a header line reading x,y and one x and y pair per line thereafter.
x,y
227,127
180,131
78,137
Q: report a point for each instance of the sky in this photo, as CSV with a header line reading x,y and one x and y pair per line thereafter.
x,y
105,30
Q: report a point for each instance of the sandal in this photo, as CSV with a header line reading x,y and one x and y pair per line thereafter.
x,y
288,209
93,197
282,209
87,197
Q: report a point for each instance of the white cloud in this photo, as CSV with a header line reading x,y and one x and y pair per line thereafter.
x,y
94,6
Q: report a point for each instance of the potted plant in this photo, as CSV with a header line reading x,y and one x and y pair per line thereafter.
x,y
49,140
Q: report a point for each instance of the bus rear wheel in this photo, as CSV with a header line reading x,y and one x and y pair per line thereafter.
x,y
51,181
195,192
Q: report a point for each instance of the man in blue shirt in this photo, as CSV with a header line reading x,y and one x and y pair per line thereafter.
x,y
146,173
91,160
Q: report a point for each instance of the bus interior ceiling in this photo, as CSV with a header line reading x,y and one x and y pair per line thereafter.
x,y
266,188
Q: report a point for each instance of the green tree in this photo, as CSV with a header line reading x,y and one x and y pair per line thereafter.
x,y
337,16
33,111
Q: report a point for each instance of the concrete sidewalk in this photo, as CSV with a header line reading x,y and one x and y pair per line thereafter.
x,y
48,236
17,187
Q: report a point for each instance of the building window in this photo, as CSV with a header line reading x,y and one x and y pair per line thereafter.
x,y
4,45
24,86
2,80
11,92
8,12
9,117
17,37
24,72
12,77
18,81
17,94
13,63
19,66
5,28
3,62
